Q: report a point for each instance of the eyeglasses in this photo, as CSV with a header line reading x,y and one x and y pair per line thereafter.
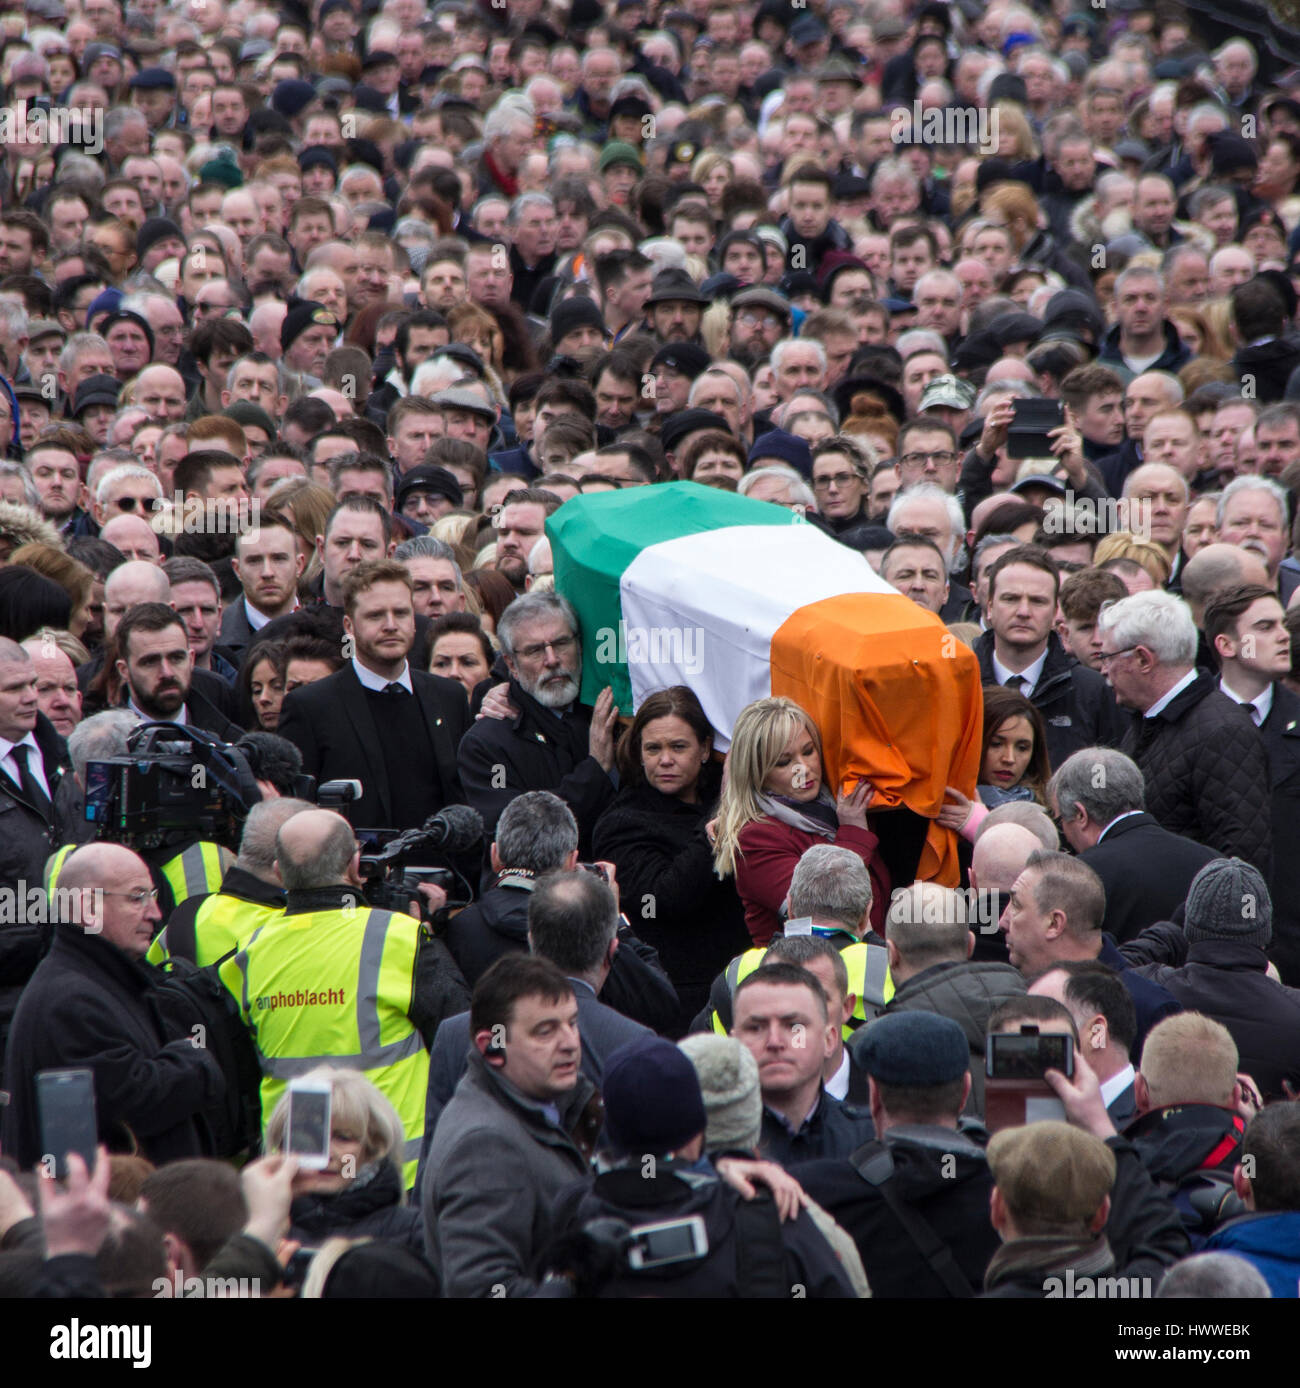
x,y
137,897
562,645
839,479
1105,657
756,318
920,459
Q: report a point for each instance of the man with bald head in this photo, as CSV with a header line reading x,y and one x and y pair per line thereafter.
x,y
1000,854
57,695
337,982
135,582
1215,567
160,389
133,536
88,1007
33,759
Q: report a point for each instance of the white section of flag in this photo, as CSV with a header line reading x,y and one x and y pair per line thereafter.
x,y
702,610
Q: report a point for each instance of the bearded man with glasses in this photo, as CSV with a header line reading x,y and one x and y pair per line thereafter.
x,y
547,740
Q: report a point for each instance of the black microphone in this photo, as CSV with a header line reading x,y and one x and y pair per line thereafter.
x,y
457,828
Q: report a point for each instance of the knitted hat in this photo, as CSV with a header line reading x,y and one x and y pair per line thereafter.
x,y
429,478
652,1098
154,230
291,95
729,1080
224,170
301,317
1229,900
683,422
245,412
573,313
780,447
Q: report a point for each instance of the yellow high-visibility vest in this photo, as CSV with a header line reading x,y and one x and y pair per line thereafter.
x,y
869,979
335,987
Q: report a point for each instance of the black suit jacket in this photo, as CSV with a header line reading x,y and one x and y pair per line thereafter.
x,y
1281,732
1146,872
331,724
236,631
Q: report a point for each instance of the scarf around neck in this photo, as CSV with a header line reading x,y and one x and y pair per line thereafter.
x,y
812,817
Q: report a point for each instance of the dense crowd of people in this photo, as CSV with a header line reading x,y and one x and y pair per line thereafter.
x,y
347,947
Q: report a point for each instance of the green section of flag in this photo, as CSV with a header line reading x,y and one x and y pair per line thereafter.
x,y
593,540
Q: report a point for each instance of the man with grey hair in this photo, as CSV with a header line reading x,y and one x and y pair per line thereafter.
x,y
437,584
532,227
830,898
1202,758
374,984
507,135
1253,514
552,741
1213,1277
97,738
931,933
1098,798
926,509
204,929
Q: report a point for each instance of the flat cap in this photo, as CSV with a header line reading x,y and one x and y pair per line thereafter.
x,y
914,1048
1050,1173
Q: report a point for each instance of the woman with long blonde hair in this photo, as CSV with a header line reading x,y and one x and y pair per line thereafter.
x,y
775,806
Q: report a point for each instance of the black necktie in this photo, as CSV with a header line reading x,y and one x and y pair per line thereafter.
x,y
394,690
31,786
1015,683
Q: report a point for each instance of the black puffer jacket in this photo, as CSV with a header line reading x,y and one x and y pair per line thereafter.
x,y
1206,773
1225,980
370,1208
667,886
966,992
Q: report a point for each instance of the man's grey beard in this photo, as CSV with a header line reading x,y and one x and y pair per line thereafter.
x,y
559,692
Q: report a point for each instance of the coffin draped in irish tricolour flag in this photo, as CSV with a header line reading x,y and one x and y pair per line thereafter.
x,y
739,599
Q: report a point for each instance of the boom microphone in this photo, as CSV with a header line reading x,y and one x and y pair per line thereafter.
x,y
457,828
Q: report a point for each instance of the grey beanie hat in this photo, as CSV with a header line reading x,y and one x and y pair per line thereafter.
x,y
1229,900
729,1081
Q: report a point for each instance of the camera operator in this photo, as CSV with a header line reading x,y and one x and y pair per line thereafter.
x,y
157,667
655,1124
204,929
337,982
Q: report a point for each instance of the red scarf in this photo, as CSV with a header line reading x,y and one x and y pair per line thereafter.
x,y
508,183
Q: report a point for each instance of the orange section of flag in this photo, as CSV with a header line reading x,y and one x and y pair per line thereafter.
x,y
898,700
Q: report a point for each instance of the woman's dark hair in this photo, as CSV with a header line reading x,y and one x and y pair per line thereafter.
x,y
493,590
257,653
30,601
675,702
1001,703
462,623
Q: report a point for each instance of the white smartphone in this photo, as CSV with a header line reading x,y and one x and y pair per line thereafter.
x,y
309,1123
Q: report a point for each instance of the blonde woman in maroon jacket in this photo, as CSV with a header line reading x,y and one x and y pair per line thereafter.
x,y
775,805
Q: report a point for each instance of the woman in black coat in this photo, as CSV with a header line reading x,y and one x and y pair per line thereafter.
x,y
361,1192
654,834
